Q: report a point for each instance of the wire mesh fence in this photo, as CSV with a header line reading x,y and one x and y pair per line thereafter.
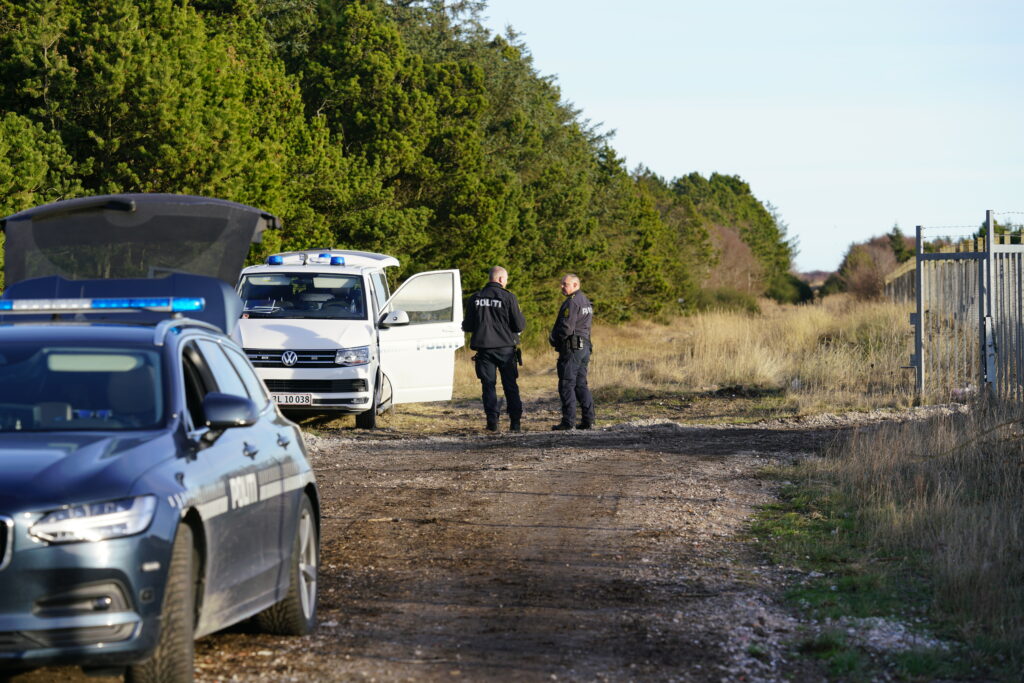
x,y
969,292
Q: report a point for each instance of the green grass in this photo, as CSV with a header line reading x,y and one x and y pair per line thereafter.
x,y
813,529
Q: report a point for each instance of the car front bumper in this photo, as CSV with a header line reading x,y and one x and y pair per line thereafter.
x,y
89,604
341,389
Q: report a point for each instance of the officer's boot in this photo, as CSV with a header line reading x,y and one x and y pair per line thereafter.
x,y
492,424
514,426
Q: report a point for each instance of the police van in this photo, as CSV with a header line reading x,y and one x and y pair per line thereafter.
x,y
327,335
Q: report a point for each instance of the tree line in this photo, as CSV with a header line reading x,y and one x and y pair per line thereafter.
x,y
399,126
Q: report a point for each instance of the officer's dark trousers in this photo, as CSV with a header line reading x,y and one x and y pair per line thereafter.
x,y
572,385
501,361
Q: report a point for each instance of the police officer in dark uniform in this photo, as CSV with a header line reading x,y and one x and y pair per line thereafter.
x,y
494,320
571,338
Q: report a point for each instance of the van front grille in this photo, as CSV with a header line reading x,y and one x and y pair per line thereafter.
x,y
315,386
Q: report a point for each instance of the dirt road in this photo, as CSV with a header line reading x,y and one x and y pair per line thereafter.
x,y
589,555
614,554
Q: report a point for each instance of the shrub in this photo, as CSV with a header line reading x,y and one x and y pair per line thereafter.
x,y
726,299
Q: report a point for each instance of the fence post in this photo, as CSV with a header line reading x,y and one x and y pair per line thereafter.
x,y
918,360
987,332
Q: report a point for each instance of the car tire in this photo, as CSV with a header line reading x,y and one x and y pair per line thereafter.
x,y
172,661
368,418
296,614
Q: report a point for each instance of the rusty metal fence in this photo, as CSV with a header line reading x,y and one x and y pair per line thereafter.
x,y
969,322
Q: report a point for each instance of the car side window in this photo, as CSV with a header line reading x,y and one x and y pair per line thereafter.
x,y
198,383
380,289
224,373
257,392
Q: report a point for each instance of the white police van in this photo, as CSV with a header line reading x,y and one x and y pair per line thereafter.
x,y
326,335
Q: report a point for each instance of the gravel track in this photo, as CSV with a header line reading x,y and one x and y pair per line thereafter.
x,y
613,554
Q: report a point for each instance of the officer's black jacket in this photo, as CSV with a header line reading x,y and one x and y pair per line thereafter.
x,y
493,318
575,317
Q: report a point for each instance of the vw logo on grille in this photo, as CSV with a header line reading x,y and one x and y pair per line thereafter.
x,y
289,358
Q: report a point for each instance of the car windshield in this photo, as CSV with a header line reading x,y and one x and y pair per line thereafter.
x,y
303,295
68,387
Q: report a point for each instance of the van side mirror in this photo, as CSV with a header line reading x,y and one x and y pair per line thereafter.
x,y
394,319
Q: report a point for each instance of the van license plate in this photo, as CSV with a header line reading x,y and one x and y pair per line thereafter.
x,y
293,399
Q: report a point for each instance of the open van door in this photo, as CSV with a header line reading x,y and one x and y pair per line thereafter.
x,y
420,328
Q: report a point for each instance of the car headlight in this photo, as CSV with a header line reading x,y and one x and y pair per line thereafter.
x,y
357,356
96,521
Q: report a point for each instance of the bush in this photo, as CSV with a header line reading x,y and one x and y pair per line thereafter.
x,y
726,299
789,289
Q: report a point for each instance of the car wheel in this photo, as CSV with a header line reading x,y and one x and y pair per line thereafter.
x,y
296,614
368,419
171,662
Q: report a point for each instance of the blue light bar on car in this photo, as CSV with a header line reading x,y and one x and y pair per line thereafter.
x,y
275,260
337,260
129,305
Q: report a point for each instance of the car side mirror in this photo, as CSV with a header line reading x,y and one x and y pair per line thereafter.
x,y
394,319
224,411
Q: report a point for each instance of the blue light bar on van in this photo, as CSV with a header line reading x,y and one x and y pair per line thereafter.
x,y
275,260
154,304
337,260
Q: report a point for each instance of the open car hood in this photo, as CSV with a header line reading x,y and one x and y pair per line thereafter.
x,y
132,236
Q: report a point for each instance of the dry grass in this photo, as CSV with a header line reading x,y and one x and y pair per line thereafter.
x,y
839,354
950,491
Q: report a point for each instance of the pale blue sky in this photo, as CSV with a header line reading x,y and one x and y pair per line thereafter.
x,y
848,116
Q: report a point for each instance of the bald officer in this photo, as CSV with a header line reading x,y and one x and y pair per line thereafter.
x,y
570,336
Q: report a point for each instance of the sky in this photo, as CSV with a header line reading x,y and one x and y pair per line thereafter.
x,y
848,116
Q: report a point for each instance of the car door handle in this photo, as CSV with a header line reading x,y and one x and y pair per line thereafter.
x,y
283,440
249,450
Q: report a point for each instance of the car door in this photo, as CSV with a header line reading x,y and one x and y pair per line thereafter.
x,y
419,357
243,541
288,450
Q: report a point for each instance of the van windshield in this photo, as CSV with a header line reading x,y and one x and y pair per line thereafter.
x,y
303,295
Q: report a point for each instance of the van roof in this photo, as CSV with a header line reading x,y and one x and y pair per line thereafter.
x,y
321,259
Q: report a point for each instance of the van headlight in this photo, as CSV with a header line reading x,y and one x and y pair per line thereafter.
x,y
96,521
359,355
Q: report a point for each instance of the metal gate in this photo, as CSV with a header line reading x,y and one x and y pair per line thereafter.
x,y
968,337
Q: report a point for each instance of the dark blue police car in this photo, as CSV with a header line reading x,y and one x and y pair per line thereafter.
x,y
150,492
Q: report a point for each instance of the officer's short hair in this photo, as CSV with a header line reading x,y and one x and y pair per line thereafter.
x,y
572,276
497,272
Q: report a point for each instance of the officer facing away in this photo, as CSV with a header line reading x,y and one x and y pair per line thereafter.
x,y
571,338
494,320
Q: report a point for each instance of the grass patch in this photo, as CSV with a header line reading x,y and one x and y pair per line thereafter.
x,y
813,529
816,529
840,659
922,523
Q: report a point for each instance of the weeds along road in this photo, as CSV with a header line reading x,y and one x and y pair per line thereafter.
x,y
614,554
